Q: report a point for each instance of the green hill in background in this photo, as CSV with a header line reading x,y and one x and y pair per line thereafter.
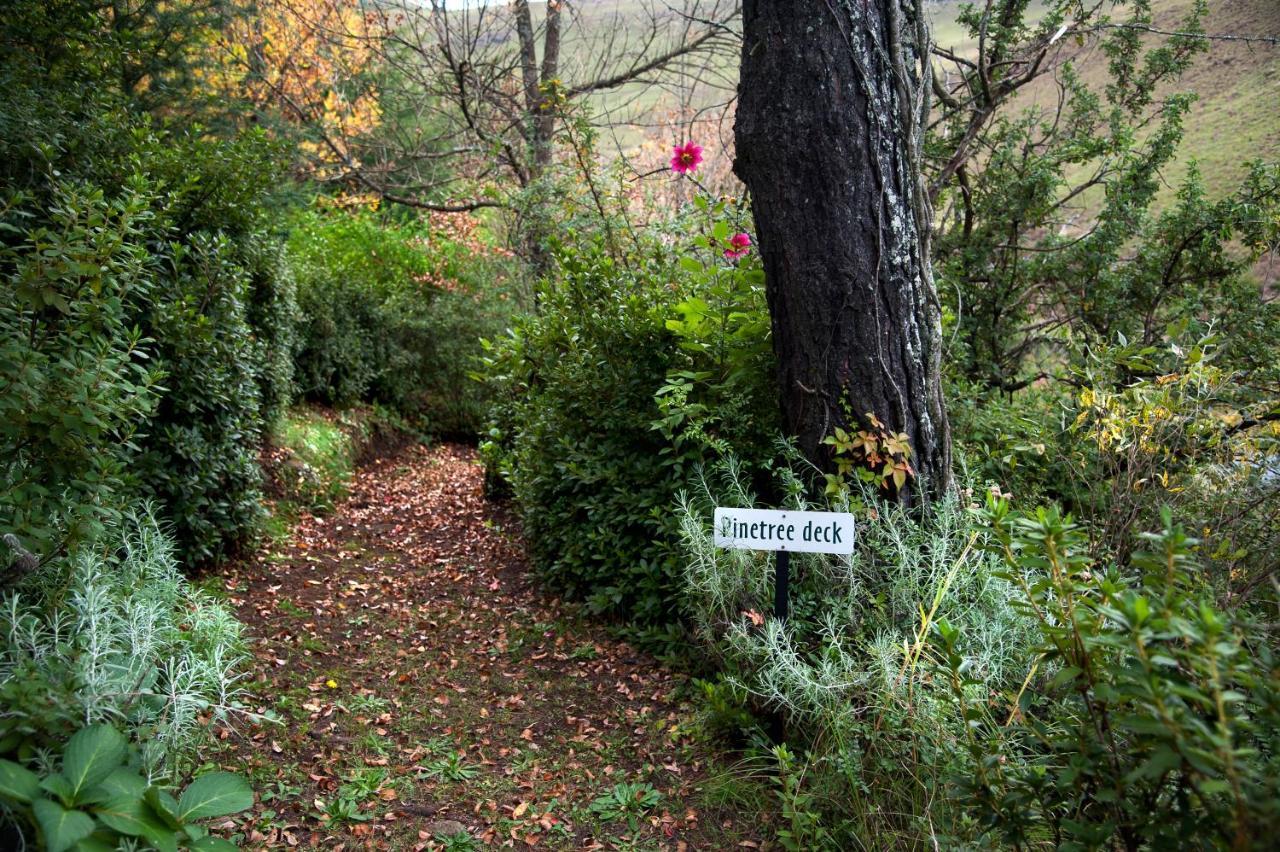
x,y
1235,119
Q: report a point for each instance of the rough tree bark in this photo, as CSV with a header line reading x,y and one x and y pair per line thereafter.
x,y
828,143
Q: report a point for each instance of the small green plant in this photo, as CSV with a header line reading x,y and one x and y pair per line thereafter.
x,y
362,704
438,746
742,787
804,828
364,783
626,800
585,652
279,790
874,454
451,767
98,799
291,609
459,841
724,707
341,809
372,742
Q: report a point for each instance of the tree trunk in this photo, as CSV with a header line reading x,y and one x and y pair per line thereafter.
x,y
830,106
539,123
528,59
545,129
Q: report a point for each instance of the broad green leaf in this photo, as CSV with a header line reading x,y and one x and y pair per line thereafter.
x,y
1162,760
91,754
129,815
123,782
1214,786
61,828
213,844
165,807
214,794
95,843
1142,609
18,783
1066,674
58,785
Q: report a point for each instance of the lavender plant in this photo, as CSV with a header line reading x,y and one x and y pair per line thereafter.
x,y
114,634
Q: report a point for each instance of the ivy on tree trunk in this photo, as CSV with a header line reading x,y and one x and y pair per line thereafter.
x,y
830,106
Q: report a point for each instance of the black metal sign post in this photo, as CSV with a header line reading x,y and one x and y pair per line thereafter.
x,y
781,580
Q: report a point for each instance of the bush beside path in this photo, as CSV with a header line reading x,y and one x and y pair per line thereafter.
x,y
428,696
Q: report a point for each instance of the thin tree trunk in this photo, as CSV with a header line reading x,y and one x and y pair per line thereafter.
x,y
539,153
528,56
545,129
830,105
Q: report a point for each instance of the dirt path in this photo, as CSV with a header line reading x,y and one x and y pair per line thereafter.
x,y
424,687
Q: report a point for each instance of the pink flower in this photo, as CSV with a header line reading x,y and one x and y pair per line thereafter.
x,y
739,246
687,158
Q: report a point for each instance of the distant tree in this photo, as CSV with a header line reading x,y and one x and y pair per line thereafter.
x,y
160,42
1046,181
832,102
499,77
470,97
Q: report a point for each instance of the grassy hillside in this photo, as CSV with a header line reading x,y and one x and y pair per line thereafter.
x,y
1235,119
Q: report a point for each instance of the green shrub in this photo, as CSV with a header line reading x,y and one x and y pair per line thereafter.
x,y
166,265
347,269
1148,717
273,317
453,403
586,469
131,370
392,315
1178,424
76,380
629,375
109,290
200,457
871,732
211,254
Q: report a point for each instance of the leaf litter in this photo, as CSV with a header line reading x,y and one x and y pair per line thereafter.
x,y
424,688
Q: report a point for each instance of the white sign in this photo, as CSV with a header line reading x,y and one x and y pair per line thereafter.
x,y
797,532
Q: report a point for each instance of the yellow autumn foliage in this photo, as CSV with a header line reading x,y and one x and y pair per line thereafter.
x,y
309,61
1175,421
